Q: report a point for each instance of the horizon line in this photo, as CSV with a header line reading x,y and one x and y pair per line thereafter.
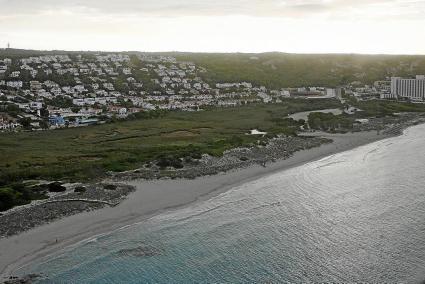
x,y
218,52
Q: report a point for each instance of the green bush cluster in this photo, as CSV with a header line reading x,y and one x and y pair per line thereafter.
x,y
329,121
169,161
380,108
18,194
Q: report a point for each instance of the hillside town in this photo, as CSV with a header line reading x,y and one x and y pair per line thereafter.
x,y
55,91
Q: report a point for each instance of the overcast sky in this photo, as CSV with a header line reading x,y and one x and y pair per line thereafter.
x,y
303,26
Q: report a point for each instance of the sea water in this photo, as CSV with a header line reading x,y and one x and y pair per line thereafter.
x,y
356,216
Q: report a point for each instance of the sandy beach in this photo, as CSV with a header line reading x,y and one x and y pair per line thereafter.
x,y
154,197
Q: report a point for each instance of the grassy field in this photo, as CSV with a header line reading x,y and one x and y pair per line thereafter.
x,y
86,153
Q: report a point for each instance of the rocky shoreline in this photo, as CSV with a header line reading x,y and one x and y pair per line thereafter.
x,y
27,279
393,126
95,196
281,147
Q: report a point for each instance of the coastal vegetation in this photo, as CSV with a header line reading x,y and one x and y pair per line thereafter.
x,y
381,108
18,194
87,153
385,110
329,122
161,139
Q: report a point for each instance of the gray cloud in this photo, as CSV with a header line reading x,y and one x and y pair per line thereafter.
x,y
288,8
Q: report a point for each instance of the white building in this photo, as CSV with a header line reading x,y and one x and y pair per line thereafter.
x,y
15,74
330,92
35,86
78,102
15,84
36,105
412,89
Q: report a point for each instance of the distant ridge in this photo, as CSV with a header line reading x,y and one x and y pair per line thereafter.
x,y
280,70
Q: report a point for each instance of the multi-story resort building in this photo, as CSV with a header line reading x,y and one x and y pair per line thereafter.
x,y
411,89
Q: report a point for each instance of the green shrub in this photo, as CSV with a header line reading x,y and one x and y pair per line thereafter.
x,y
80,189
7,199
17,194
56,187
169,161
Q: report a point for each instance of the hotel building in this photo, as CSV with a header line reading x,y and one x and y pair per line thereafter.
x,y
411,89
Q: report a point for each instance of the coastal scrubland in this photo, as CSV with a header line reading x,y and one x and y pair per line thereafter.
x,y
382,108
86,153
165,139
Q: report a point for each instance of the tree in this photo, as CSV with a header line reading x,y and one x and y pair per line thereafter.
x,y
25,122
44,113
44,124
61,101
75,109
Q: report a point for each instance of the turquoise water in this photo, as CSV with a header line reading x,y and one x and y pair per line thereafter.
x,y
352,217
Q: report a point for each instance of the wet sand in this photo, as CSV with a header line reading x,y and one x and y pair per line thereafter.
x,y
151,198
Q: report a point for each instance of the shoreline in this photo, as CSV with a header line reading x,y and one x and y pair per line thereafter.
x,y
153,197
